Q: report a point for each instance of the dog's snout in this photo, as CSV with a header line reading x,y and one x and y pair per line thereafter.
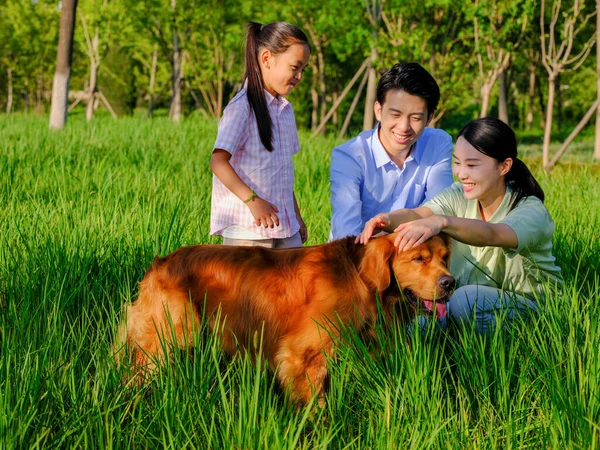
x,y
446,282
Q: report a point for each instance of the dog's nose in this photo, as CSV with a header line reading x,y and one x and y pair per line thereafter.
x,y
446,282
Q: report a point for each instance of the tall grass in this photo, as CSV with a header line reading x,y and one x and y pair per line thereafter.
x,y
82,214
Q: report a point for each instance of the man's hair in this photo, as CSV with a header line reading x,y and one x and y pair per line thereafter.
x,y
413,79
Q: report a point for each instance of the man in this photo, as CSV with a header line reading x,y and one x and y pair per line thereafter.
x,y
398,164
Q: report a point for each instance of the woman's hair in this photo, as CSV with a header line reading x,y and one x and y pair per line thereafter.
x,y
276,37
494,138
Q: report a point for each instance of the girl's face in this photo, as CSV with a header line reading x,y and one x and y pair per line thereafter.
x,y
482,176
281,73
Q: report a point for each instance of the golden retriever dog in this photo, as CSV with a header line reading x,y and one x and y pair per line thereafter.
x,y
294,297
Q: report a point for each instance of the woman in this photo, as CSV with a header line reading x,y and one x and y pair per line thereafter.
x,y
502,250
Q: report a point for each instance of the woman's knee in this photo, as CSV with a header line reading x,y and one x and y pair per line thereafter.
x,y
461,303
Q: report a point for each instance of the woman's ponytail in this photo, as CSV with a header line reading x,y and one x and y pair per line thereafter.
x,y
522,183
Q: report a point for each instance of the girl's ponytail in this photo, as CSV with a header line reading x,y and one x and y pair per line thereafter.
x,y
255,90
522,183
276,37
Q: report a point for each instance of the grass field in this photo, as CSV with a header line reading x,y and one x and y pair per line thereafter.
x,y
82,214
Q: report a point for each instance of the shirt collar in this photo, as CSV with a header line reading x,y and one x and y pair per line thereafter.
x,y
280,102
381,155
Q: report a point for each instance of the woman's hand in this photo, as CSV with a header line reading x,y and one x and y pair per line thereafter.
x,y
376,224
411,234
264,213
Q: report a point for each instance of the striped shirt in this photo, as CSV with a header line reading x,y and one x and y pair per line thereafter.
x,y
269,174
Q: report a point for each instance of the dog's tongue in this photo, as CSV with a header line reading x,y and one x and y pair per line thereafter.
x,y
440,308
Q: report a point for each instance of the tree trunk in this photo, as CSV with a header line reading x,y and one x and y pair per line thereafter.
x,y
542,106
531,97
597,142
353,105
93,85
322,84
335,118
152,80
39,94
60,87
175,113
368,120
9,96
314,95
582,123
558,95
548,128
502,97
486,92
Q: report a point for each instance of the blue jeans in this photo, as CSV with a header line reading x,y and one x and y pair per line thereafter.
x,y
479,307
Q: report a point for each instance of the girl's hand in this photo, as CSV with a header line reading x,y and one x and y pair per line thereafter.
x,y
376,224
263,213
411,234
303,230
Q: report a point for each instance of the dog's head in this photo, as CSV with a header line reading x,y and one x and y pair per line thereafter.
x,y
421,272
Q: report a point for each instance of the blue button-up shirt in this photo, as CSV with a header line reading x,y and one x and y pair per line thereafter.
x,y
365,181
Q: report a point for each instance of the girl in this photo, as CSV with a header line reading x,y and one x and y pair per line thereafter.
x,y
502,254
253,201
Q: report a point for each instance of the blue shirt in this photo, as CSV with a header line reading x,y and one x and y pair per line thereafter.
x,y
365,181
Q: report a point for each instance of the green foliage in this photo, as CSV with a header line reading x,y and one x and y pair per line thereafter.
x,y
439,34
85,211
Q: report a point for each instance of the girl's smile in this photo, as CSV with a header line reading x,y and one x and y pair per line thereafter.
x,y
281,73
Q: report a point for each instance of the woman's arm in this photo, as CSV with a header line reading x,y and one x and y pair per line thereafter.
x,y
389,221
474,232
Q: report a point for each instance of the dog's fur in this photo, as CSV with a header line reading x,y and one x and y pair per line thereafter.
x,y
294,297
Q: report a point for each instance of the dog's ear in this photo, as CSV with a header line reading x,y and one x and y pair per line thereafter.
x,y
375,264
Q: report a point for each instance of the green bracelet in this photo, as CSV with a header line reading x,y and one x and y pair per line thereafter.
x,y
251,196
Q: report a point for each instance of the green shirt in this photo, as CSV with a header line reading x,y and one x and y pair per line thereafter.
x,y
523,270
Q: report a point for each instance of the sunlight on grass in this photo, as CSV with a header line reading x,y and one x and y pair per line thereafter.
x,y
85,211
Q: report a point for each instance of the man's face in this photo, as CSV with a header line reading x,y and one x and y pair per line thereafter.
x,y
403,119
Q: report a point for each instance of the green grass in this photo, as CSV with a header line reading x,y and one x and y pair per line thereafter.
x,y
82,214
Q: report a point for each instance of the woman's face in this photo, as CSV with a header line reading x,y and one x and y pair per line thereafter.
x,y
482,176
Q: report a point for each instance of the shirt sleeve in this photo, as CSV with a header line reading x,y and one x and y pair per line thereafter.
x,y
346,205
232,131
449,202
440,175
531,222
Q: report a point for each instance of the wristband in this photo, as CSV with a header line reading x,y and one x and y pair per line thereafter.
x,y
251,196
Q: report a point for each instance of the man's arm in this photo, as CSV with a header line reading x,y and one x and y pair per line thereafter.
x,y
440,174
346,177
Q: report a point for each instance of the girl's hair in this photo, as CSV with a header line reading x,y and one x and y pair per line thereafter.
x,y
276,37
494,138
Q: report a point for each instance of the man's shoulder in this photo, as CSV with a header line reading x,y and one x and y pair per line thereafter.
x,y
435,145
357,146
436,135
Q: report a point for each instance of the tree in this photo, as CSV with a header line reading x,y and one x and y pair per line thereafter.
x,y
100,28
60,88
374,11
498,28
556,48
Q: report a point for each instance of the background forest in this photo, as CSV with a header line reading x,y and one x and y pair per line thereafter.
x,y
524,61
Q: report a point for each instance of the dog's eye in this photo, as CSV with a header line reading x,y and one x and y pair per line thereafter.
x,y
418,259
